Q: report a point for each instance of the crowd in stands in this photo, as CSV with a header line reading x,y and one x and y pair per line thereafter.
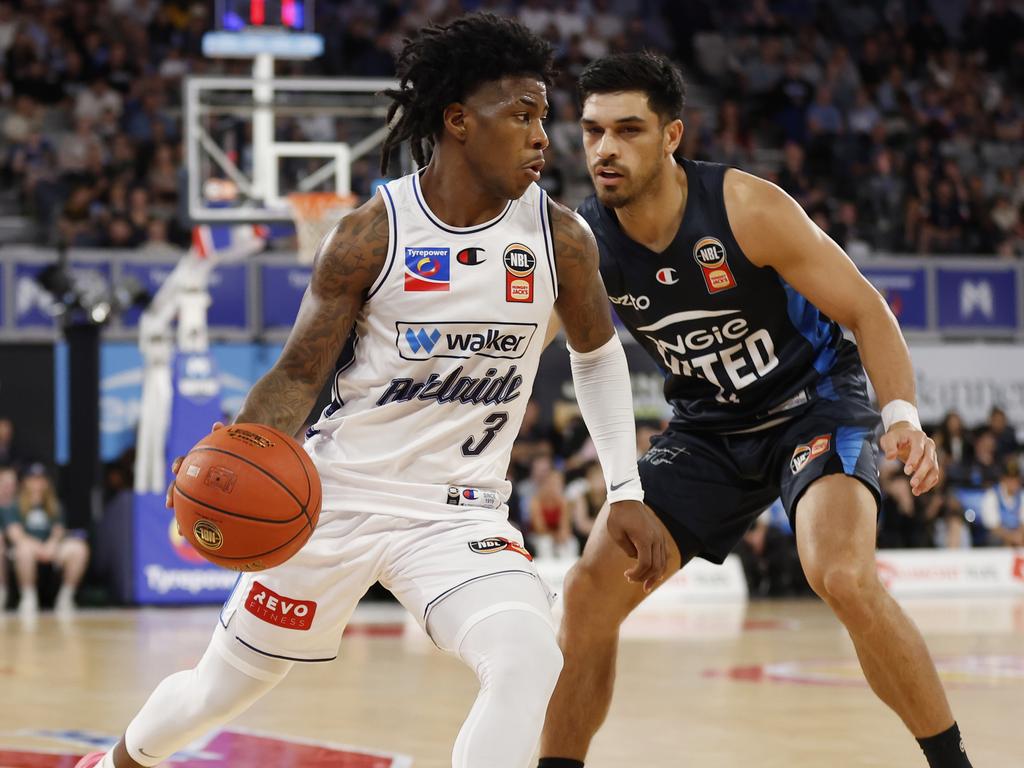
x,y
898,125
35,544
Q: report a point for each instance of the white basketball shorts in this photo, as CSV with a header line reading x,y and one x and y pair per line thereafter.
x,y
299,609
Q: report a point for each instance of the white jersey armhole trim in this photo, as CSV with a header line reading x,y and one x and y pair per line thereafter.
x,y
549,247
389,205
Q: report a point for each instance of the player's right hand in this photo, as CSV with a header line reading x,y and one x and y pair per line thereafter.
x,y
175,466
638,532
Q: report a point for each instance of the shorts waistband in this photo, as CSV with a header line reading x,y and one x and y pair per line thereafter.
x,y
468,496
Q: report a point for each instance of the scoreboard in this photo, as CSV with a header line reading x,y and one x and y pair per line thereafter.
x,y
271,15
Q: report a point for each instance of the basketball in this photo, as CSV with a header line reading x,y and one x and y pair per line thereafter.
x,y
247,497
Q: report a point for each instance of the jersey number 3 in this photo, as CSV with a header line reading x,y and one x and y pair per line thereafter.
x,y
474,447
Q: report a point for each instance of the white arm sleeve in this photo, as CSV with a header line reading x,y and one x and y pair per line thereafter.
x,y
605,398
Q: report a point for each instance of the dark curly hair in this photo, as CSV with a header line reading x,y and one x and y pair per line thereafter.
x,y
651,73
445,64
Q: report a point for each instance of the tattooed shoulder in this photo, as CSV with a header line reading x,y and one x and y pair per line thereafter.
x,y
575,246
351,257
582,302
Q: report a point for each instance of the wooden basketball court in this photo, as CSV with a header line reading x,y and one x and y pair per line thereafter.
x,y
769,684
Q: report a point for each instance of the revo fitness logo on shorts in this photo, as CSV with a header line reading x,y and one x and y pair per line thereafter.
x,y
285,612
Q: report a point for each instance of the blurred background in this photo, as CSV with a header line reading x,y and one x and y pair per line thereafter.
x,y
897,124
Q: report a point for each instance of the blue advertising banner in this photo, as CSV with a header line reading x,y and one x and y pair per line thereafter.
x,y
282,289
974,298
33,305
120,397
167,568
195,404
906,291
238,367
228,293
151,275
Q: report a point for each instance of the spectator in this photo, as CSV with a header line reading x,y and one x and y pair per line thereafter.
x,y
943,230
1005,435
541,466
97,101
954,443
39,537
985,470
8,514
8,456
903,522
1002,509
551,520
587,496
535,439
768,553
25,120
880,198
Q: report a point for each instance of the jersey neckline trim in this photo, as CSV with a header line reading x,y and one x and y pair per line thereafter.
x,y
418,194
614,226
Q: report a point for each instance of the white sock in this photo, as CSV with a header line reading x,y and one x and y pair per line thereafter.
x,y
65,598
29,598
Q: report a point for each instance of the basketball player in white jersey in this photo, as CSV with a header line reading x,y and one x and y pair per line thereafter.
x,y
435,295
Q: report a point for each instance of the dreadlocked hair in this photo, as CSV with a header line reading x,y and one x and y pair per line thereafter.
x,y
445,64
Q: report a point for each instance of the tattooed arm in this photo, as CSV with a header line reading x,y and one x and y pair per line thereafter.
x,y
601,378
582,305
346,264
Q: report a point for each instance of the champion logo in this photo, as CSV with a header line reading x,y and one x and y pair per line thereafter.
x,y
667,276
421,339
470,257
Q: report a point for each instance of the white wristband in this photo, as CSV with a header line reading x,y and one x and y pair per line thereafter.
x,y
899,410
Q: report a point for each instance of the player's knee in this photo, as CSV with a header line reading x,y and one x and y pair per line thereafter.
x,y
530,665
516,655
846,587
585,588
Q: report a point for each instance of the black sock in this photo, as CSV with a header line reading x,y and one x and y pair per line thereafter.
x,y
559,762
946,749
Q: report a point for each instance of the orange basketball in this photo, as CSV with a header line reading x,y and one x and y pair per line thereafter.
x,y
247,497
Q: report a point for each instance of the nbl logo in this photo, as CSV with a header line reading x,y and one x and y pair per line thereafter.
x,y
709,252
520,264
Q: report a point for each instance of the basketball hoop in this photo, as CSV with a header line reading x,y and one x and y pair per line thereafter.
x,y
314,214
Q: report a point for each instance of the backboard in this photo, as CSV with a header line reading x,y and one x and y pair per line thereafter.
x,y
250,142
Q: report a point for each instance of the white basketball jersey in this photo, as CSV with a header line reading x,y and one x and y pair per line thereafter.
x,y
444,351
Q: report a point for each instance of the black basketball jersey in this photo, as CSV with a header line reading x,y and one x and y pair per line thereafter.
x,y
738,345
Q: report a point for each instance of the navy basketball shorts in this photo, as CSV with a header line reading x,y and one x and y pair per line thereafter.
x,y
709,487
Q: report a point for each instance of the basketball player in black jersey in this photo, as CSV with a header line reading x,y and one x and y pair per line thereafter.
x,y
739,298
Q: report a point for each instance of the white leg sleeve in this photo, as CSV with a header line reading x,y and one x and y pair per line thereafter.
x,y
502,629
188,704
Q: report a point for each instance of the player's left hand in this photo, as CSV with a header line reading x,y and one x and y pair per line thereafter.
x,y
916,450
638,532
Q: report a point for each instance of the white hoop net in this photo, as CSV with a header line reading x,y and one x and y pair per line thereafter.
x,y
314,214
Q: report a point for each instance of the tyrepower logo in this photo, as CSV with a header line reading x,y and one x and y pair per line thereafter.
x,y
423,341
266,605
